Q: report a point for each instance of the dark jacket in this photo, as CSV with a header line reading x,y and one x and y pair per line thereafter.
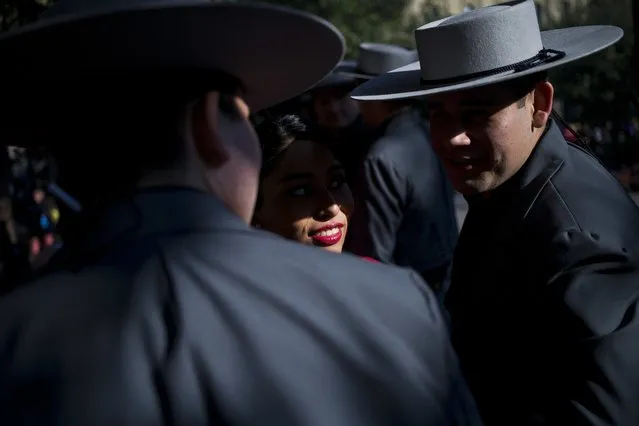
x,y
544,295
350,146
175,312
405,212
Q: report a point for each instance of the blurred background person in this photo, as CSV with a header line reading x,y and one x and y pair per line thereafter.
x,y
405,210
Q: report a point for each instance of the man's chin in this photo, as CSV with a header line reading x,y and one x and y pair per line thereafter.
x,y
472,186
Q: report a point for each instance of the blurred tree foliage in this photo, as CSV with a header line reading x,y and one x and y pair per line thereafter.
x,y
385,21
391,21
19,12
600,88
596,89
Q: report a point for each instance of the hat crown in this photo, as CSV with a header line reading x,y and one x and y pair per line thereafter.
x,y
479,41
380,58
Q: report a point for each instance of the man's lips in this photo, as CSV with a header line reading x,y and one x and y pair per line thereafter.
x,y
463,158
465,162
328,235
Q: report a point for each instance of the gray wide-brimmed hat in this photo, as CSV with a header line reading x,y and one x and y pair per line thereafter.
x,y
275,52
485,46
374,59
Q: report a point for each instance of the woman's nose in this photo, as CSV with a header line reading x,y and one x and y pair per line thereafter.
x,y
328,208
332,210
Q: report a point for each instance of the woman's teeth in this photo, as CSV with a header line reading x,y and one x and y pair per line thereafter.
x,y
328,232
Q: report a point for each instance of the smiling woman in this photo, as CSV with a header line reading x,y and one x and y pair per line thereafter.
x,y
303,194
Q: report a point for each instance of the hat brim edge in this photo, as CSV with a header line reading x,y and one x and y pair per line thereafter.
x,y
373,89
306,73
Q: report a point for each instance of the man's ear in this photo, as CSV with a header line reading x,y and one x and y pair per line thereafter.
x,y
207,136
543,96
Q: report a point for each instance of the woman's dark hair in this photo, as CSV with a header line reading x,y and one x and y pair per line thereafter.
x,y
277,135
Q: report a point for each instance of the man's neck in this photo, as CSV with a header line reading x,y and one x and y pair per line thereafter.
x,y
175,177
388,114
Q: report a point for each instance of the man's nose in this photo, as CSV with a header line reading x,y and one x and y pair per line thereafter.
x,y
460,139
333,106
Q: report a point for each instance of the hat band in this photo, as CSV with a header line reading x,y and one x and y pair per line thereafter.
x,y
543,57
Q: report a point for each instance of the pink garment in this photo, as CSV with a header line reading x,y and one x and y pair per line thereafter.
x,y
569,136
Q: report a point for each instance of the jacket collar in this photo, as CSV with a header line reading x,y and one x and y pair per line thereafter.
x,y
152,212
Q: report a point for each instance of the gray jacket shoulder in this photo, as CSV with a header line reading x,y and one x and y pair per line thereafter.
x,y
219,305
405,141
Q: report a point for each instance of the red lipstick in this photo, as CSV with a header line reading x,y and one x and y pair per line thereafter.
x,y
328,235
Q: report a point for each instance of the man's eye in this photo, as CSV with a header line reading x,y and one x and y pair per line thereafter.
x,y
338,182
436,114
476,114
470,117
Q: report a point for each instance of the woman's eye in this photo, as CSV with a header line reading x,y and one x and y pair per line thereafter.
x,y
300,191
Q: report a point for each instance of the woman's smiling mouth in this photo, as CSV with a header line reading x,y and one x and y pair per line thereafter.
x,y
328,235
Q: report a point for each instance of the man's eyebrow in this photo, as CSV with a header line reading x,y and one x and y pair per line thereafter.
x,y
481,102
473,103
296,176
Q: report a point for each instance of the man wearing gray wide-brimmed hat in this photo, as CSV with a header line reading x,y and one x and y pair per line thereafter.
x,y
165,307
330,104
544,297
338,119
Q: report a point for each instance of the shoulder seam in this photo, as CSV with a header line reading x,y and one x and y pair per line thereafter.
x,y
565,205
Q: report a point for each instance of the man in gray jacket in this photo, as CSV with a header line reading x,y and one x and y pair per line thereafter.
x,y
405,212
166,307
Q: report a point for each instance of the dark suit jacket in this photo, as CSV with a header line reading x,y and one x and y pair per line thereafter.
x,y
544,298
405,212
175,312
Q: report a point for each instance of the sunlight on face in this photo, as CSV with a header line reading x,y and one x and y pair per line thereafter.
x,y
305,198
483,136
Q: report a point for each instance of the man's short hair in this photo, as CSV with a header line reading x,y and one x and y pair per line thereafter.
x,y
520,87
107,138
